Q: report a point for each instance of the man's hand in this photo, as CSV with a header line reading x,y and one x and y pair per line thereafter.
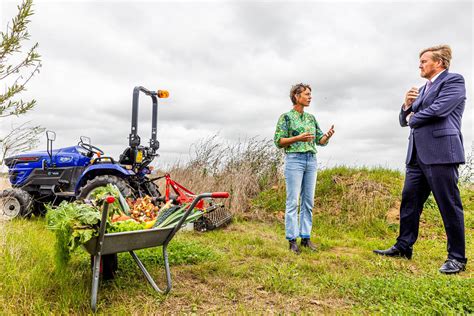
x,y
305,137
409,117
410,97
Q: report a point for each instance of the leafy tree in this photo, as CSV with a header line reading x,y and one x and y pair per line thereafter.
x,y
16,68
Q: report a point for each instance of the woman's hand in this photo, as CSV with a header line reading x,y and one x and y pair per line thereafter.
x,y
326,136
305,137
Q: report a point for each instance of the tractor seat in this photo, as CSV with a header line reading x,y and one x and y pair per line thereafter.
x,y
126,157
103,159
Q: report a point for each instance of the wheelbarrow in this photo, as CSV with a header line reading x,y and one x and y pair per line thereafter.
x,y
111,243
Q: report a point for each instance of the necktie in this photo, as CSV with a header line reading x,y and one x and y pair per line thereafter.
x,y
428,86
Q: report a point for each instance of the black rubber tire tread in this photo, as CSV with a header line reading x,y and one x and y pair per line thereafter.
x,y
23,197
108,266
152,189
100,181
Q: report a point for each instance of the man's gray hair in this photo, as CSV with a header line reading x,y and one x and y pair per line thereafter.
x,y
440,53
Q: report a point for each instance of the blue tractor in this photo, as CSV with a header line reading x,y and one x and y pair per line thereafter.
x,y
74,172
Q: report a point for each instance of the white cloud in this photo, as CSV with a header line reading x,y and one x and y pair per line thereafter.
x,y
229,67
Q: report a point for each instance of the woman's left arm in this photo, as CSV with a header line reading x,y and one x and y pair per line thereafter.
x,y
324,138
321,138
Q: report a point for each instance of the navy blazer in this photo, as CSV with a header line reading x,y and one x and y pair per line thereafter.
x,y
436,123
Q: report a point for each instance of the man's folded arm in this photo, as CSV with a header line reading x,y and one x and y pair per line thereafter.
x,y
402,117
450,96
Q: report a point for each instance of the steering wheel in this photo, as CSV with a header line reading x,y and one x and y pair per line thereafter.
x,y
91,149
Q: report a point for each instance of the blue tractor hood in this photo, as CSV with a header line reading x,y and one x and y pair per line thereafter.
x,y
21,165
61,157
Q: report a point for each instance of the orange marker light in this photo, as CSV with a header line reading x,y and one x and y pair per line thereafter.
x,y
162,94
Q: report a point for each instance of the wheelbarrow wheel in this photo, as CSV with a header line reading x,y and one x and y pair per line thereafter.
x,y
108,266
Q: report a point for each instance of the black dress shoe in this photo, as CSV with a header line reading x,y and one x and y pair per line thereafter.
x,y
306,242
395,252
294,247
452,266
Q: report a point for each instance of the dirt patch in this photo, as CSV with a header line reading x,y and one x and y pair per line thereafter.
x,y
345,251
393,214
215,295
361,186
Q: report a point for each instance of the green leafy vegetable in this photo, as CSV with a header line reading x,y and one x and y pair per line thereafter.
x,y
74,224
125,226
119,206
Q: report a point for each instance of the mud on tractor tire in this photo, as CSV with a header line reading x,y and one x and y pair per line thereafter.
x,y
15,203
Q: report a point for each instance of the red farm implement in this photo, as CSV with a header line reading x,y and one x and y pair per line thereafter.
x,y
215,214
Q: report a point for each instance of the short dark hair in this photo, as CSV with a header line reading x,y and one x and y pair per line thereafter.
x,y
297,89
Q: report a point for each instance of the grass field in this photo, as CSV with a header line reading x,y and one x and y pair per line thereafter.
x,y
247,268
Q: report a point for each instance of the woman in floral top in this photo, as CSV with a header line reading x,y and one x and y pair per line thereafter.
x,y
299,134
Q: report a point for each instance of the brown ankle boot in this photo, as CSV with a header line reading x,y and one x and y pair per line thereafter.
x,y
294,246
306,242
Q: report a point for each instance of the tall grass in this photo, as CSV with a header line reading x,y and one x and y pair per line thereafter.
x,y
252,169
243,168
345,197
466,171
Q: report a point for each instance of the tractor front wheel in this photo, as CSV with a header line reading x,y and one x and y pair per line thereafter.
x,y
15,203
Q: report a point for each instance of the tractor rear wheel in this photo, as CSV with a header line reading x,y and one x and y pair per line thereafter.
x,y
15,203
152,189
109,263
102,181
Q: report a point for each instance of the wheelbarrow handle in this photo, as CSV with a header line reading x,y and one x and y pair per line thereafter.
x,y
98,251
103,222
220,195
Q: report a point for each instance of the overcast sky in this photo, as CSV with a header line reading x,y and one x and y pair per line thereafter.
x,y
229,66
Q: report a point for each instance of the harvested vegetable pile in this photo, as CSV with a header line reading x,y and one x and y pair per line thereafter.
x,y
142,208
77,222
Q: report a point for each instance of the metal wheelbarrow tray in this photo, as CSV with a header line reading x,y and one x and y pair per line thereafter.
x,y
113,243
128,241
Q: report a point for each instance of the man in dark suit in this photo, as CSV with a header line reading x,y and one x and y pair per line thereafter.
x,y
435,150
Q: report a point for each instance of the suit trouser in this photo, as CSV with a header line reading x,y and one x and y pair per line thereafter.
x,y
442,180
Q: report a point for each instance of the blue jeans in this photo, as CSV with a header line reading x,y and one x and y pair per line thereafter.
x,y
300,175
